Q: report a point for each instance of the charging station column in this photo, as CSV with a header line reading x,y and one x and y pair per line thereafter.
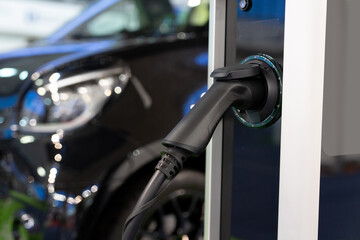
x,y
314,194
302,119
243,162
217,26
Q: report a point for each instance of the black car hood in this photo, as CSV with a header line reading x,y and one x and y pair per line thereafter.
x,y
16,67
44,58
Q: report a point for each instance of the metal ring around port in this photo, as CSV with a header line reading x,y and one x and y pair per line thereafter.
x,y
276,111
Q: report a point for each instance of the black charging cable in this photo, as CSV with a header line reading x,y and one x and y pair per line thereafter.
x,y
168,167
243,86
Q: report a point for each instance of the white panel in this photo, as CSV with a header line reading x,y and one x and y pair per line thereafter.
x,y
214,149
341,134
304,56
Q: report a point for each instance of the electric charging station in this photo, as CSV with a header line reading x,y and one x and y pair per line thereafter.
x,y
243,159
294,178
298,180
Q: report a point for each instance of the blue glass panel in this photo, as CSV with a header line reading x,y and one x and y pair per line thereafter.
x,y
256,153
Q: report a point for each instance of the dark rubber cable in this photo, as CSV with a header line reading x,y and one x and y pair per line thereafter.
x,y
148,194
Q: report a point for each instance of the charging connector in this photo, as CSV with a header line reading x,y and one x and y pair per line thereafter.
x,y
253,86
172,162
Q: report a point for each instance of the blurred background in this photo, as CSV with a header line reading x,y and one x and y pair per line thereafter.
x,y
24,21
81,115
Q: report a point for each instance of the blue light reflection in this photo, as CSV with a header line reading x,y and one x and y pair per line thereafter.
x,y
193,98
34,103
8,101
58,49
202,59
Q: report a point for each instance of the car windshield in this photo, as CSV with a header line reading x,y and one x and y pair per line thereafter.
x,y
134,18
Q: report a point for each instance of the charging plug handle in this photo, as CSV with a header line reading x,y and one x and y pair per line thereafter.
x,y
249,86
243,86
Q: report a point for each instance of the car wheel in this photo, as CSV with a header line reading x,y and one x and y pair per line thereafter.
x,y
178,214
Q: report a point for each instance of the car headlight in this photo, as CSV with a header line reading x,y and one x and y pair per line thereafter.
x,y
70,101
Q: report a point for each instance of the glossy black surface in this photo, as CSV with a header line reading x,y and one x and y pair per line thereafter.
x,y
74,169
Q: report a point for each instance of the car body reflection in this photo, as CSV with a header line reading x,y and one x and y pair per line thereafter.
x,y
81,113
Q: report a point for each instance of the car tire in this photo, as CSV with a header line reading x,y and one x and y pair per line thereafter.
x,y
177,213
